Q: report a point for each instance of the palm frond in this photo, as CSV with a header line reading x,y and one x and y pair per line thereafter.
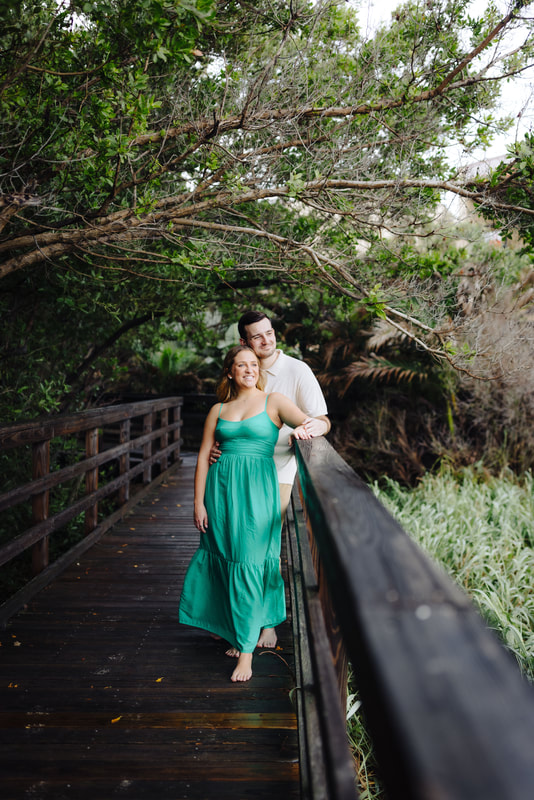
x,y
384,334
376,368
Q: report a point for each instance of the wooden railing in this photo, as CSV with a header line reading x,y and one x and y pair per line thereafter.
x,y
450,715
147,433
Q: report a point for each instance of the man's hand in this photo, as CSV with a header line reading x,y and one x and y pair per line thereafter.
x,y
316,427
215,453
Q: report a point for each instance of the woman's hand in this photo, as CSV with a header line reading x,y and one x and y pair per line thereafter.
x,y
300,432
201,518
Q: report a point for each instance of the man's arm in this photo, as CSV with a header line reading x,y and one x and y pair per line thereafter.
x,y
318,426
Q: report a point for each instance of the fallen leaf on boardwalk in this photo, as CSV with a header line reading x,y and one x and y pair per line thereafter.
x,y
132,529
178,505
13,686
135,566
16,644
120,551
116,719
279,648
164,485
158,680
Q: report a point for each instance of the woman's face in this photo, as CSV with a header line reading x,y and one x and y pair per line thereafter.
x,y
245,370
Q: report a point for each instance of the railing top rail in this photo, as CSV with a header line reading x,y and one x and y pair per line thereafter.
x,y
49,427
450,714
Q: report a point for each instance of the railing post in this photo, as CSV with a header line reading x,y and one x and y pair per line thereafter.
x,y
147,447
91,479
176,416
164,438
124,461
40,503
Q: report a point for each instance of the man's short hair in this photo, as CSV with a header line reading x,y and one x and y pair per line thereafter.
x,y
249,318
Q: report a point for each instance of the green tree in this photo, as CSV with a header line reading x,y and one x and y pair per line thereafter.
x,y
158,154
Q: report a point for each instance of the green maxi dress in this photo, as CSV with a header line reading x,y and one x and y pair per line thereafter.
x,y
233,586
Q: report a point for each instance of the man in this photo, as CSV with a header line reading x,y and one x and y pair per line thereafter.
x,y
290,377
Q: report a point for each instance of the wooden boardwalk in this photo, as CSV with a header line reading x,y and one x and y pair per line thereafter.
x,y
104,695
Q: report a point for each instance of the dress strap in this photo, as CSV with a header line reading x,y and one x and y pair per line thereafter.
x,y
220,409
265,409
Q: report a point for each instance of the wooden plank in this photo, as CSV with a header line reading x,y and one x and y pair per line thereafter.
x,y
120,452
103,693
40,504
62,425
173,720
54,523
325,750
42,580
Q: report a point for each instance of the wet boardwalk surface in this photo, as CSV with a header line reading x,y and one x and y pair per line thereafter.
x,y
103,694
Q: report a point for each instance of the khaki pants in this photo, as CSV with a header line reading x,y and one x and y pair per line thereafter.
x,y
285,496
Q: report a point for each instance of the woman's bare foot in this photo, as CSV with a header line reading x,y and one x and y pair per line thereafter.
x,y
267,638
243,670
233,652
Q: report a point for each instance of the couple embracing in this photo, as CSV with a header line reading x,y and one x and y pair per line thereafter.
x,y
245,470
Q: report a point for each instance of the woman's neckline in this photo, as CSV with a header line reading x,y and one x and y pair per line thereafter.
x,y
244,418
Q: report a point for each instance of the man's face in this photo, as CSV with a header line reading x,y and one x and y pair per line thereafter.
x,y
262,338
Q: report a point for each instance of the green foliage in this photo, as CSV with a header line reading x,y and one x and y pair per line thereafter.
x,y
367,770
173,157
511,185
480,530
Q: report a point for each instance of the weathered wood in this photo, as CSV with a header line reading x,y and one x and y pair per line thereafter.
x,y
40,504
91,481
148,420
104,694
123,450
124,460
65,425
451,716
333,630
176,428
38,489
326,763
19,600
164,438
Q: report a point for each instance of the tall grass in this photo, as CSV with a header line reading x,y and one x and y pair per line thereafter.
x,y
481,531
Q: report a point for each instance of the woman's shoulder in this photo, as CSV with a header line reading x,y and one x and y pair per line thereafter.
x,y
214,410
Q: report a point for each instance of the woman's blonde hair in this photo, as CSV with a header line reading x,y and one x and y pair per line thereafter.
x,y
226,388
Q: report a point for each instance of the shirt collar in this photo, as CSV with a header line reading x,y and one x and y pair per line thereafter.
x,y
274,369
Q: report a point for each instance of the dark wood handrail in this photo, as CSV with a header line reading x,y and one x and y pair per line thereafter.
x,y
156,441
450,714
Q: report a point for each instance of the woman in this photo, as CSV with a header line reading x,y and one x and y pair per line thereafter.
x,y
233,586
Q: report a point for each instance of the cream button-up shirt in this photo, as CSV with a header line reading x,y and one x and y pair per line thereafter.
x,y
295,379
